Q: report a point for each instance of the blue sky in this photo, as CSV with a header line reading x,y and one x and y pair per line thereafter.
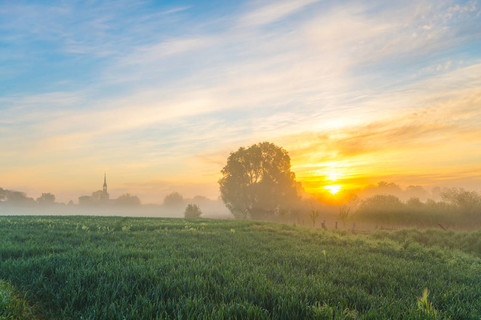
x,y
157,93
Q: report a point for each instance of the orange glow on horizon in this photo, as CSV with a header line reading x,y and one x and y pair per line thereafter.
x,y
334,188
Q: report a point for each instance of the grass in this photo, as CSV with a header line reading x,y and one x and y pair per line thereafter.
x,y
12,306
146,268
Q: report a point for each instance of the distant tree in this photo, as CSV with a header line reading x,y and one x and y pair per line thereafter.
x,y
18,198
382,188
46,199
192,211
381,203
3,195
346,208
127,200
381,208
344,211
174,199
314,215
416,192
414,203
389,187
257,181
467,202
85,200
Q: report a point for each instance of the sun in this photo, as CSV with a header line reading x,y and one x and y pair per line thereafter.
x,y
334,188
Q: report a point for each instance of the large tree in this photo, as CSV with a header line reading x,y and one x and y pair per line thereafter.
x,y
257,181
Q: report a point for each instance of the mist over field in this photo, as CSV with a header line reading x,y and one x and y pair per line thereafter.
x,y
383,205
17,203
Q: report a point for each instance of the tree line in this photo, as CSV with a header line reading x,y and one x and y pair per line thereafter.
x,y
257,183
173,201
18,198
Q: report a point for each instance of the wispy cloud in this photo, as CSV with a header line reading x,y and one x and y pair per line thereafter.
x,y
342,80
272,12
436,140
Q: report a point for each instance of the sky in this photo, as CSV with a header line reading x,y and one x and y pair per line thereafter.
x,y
158,93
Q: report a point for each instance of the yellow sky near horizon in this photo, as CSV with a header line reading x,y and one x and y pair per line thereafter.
x,y
434,145
427,148
355,92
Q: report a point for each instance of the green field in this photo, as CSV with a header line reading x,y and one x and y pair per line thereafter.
x,y
147,268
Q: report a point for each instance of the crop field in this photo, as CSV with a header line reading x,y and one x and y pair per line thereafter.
x,y
151,268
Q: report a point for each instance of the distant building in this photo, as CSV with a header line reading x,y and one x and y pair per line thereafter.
x,y
97,197
104,196
105,185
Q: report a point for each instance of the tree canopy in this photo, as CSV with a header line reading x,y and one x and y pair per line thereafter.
x,y
127,200
11,197
46,199
174,199
257,181
192,211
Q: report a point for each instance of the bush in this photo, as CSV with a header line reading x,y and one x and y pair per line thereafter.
x,y
192,211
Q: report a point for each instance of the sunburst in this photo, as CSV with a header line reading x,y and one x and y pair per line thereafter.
x,y
334,188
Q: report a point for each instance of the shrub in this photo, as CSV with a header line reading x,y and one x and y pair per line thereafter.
x,y
192,211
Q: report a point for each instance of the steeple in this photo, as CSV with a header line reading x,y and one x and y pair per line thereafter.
x,y
105,183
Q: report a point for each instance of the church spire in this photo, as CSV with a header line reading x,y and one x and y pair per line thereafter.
x,y
105,183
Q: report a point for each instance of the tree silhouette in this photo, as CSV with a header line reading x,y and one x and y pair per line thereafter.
x,y
85,200
314,215
257,182
127,200
467,202
192,211
174,199
17,198
46,199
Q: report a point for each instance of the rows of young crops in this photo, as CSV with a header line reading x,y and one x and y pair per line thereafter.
x,y
132,268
